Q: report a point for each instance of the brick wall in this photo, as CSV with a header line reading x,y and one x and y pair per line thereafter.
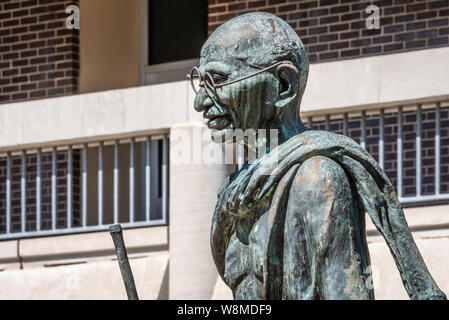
x,y
39,57
336,29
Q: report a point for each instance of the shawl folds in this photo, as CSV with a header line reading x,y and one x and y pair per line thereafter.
x,y
244,190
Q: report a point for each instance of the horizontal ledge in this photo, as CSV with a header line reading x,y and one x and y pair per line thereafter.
x,y
377,80
435,197
374,106
108,139
76,230
90,243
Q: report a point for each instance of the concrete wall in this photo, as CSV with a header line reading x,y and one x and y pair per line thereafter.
x,y
351,84
84,266
379,80
109,44
89,116
193,194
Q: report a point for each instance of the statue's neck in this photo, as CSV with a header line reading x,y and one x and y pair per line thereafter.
x,y
279,131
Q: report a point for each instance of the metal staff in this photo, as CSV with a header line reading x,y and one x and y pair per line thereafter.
x,y
123,262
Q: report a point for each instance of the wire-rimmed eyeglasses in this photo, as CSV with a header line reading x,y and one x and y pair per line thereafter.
x,y
207,81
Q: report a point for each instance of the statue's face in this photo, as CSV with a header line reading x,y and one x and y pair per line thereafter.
x,y
247,104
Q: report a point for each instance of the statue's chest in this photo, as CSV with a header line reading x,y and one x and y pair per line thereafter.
x,y
245,262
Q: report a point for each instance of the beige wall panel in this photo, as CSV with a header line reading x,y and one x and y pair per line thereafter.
x,y
221,291
193,193
89,116
96,280
377,80
109,44
387,282
36,252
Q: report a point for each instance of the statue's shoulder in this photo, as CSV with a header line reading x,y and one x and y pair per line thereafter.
x,y
320,175
318,168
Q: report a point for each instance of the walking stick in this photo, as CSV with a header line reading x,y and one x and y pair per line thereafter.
x,y
122,257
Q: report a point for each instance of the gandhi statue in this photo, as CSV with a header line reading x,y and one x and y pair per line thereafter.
x,y
298,232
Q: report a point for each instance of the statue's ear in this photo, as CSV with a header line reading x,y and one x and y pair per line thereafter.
x,y
288,76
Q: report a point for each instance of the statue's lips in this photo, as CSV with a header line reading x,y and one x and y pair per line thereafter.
x,y
219,122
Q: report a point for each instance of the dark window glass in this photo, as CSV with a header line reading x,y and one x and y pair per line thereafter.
x,y
177,29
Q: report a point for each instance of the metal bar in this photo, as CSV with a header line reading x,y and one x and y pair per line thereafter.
x,y
74,230
399,154
69,187
437,149
38,189
23,193
53,188
131,180
418,151
381,138
310,122
345,123
147,178
328,122
164,178
84,187
116,178
122,258
240,154
100,183
8,192
442,196
363,129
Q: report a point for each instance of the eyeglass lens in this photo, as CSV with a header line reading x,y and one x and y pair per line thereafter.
x,y
197,81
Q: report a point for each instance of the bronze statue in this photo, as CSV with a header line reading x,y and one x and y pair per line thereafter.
x,y
299,232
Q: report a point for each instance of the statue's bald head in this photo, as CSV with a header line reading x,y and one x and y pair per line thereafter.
x,y
253,99
260,39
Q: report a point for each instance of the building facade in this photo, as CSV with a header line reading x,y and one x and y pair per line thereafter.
x,y
90,121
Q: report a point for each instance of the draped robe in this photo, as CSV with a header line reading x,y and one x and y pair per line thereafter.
x,y
249,234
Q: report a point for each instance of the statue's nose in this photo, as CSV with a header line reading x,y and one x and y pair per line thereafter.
x,y
202,101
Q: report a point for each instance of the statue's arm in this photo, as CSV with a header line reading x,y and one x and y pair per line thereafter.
x,y
324,255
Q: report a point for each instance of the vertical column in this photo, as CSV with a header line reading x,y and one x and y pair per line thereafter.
x,y
84,186
100,183
363,129
328,122
131,180
164,178
345,124
418,151
116,181
54,186
8,192
38,190
147,178
310,122
240,155
193,195
381,138
23,201
69,187
437,149
399,154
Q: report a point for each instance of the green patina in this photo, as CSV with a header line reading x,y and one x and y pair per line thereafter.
x,y
294,232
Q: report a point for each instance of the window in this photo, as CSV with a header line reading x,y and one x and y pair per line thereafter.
x,y
177,30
